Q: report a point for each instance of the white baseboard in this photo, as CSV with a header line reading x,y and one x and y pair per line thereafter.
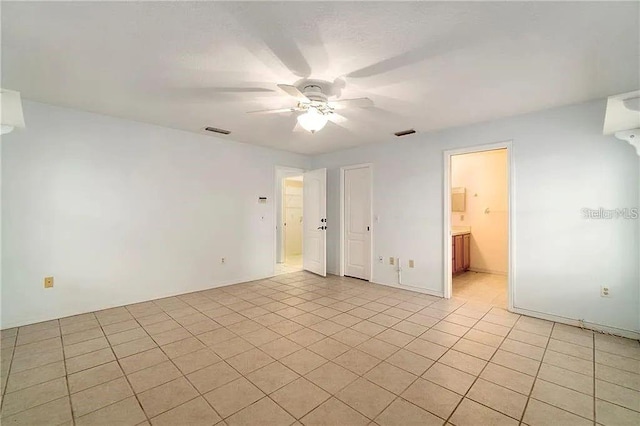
x,y
411,288
578,323
487,271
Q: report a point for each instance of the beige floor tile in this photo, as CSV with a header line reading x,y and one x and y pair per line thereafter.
x,y
451,328
89,360
182,347
616,361
431,397
475,349
300,397
489,327
395,337
329,348
303,361
142,360
573,335
212,377
34,376
331,377
54,412
534,325
196,360
196,412
286,327
119,327
334,413
450,378
516,362
427,349
85,347
568,379
272,377
378,348
230,348
36,336
39,346
266,410
249,361
567,399
390,377
403,413
30,397
34,360
306,337
577,365
167,396
280,348
367,327
529,338
523,349
614,415
366,397
123,413
571,349
351,337
127,336
133,347
410,328
619,395
484,338
202,327
423,320
171,336
81,336
498,398
464,362
619,377
508,378
153,376
100,396
357,361
541,414
94,376
470,413
233,397
260,337
409,361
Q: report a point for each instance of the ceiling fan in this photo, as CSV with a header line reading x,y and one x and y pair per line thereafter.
x,y
315,104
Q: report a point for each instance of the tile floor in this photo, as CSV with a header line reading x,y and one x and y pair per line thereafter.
x,y
299,349
481,287
292,264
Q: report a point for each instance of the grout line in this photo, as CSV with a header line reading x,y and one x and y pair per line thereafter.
x,y
535,379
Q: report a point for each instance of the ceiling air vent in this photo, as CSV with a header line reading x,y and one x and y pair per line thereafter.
x,y
404,133
216,130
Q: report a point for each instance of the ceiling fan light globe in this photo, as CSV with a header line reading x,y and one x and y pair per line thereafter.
x,y
312,120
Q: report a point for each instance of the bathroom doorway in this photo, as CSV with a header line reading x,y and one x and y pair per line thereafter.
x,y
478,224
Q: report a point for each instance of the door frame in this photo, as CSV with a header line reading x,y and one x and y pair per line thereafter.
x,y
448,281
280,173
342,212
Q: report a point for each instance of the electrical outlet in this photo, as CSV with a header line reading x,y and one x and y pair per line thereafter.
x,y
223,260
392,261
411,263
48,282
380,259
604,291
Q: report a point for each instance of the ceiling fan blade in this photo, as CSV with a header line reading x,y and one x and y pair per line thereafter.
x,y
239,90
294,92
336,118
274,111
352,103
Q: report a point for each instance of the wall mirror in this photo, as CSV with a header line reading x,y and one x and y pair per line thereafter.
x,y
458,199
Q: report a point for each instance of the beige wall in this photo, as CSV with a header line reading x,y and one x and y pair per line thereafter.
x,y
293,217
484,175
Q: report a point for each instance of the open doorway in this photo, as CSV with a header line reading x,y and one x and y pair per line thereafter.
x,y
289,201
477,225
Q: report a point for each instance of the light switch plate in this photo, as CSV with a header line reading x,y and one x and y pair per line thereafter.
x,y
411,263
392,261
48,282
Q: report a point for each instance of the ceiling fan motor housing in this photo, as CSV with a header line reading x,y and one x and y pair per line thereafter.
x,y
317,99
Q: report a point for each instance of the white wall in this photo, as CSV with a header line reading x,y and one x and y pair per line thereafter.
x,y
484,176
562,163
120,212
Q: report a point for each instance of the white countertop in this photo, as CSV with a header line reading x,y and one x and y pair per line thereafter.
x,y
460,230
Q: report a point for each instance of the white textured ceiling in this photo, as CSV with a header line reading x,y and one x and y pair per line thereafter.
x,y
426,65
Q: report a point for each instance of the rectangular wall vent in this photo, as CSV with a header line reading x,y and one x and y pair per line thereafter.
x,y
216,130
404,132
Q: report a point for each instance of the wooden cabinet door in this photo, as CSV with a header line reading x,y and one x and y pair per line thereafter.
x,y
458,253
466,241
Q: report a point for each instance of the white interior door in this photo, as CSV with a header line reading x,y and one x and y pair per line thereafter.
x,y
357,226
314,235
